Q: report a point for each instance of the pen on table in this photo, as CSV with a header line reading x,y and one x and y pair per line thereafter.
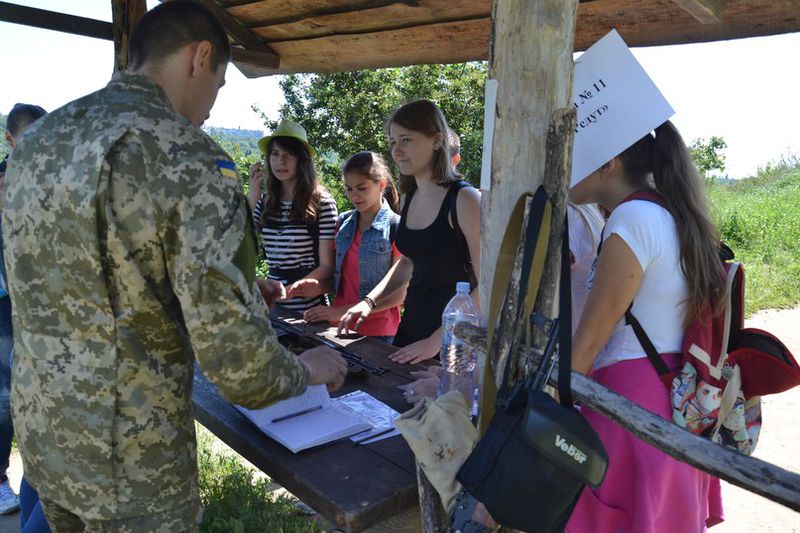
x,y
378,434
298,413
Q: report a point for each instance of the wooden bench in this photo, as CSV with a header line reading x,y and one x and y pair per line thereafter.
x,y
354,486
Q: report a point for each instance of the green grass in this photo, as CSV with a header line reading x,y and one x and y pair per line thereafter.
x,y
759,218
236,499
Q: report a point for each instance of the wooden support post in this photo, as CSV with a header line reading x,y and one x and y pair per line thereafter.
x,y
125,13
430,505
530,55
705,11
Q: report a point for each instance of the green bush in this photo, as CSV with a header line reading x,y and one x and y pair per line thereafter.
x,y
759,219
236,500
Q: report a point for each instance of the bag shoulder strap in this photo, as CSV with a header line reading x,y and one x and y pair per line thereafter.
x,y
649,349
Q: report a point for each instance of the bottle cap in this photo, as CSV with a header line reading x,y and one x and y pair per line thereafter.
x,y
462,287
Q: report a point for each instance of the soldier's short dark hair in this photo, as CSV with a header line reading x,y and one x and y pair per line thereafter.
x,y
22,116
168,27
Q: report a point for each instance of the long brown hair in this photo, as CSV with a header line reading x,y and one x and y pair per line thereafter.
x,y
373,167
307,191
425,117
666,158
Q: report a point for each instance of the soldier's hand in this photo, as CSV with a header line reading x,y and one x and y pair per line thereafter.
x,y
324,366
271,290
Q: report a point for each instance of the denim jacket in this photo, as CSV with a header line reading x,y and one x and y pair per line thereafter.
x,y
375,251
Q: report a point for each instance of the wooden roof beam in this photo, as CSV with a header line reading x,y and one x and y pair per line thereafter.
x,y
51,20
264,55
705,11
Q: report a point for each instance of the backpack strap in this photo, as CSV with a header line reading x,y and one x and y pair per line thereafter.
x,y
630,320
649,349
460,238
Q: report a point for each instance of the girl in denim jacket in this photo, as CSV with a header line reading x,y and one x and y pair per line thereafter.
x,y
365,248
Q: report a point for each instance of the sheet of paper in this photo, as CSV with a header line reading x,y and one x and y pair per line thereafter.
x,y
617,104
314,396
489,107
314,423
379,415
318,427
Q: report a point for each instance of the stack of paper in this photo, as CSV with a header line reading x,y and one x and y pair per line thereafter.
x,y
379,415
307,420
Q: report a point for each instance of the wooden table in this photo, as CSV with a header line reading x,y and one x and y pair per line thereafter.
x,y
354,486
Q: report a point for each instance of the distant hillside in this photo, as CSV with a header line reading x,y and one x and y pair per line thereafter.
x,y
230,139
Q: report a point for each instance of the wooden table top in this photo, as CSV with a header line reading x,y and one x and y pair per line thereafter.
x,y
354,486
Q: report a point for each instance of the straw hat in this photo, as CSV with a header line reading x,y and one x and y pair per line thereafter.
x,y
288,128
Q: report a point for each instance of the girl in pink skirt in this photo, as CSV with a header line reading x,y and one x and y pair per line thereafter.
x,y
663,261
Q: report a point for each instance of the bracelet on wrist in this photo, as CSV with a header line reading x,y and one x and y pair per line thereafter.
x,y
370,302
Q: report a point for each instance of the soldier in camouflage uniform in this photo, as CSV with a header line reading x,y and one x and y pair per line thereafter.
x,y
130,251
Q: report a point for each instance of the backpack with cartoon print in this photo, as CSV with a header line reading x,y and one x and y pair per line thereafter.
x,y
725,368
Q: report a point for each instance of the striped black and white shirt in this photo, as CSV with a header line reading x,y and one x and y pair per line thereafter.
x,y
289,245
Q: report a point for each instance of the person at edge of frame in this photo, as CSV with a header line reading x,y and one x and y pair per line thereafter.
x,y
139,256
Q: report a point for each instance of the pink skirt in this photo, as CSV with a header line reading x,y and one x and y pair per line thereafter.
x,y
645,490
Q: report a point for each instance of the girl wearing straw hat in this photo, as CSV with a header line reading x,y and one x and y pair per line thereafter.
x,y
295,216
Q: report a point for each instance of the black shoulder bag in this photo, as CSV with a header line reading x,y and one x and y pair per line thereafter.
x,y
537,455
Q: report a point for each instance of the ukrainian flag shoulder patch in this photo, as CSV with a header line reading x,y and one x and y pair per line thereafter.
x,y
227,169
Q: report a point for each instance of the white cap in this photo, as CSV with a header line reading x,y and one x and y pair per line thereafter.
x,y
462,287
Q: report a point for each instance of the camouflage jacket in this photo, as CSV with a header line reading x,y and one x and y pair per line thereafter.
x,y
130,251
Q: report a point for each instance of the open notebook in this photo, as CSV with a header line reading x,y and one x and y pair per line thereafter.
x,y
307,420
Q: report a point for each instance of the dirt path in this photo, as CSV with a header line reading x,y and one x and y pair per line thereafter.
x,y
778,444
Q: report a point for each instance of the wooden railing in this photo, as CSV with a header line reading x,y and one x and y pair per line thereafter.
x,y
754,475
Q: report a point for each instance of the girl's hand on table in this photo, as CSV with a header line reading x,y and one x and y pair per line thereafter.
x,y
304,288
352,319
419,351
425,386
323,313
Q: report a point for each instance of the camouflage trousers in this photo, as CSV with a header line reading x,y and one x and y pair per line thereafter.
x,y
62,520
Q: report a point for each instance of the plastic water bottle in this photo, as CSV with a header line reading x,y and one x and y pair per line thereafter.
x,y
458,359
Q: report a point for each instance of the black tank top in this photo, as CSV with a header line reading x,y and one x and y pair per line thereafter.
x,y
439,263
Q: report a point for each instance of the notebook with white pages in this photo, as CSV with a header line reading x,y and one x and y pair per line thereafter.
x,y
307,420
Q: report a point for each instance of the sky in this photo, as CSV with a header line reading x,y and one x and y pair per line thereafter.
x,y
742,90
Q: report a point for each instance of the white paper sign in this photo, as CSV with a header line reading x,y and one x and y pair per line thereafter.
x,y
617,104
490,103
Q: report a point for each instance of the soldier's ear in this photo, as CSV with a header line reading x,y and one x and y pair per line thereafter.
x,y
201,57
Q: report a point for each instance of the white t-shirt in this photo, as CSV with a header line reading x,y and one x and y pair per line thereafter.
x,y
660,305
585,225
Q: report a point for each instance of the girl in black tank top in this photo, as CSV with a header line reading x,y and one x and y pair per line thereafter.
x,y
439,263
436,257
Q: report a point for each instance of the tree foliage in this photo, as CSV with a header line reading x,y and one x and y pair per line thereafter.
x,y
346,112
708,156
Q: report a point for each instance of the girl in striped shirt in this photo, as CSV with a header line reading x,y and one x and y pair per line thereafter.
x,y
295,216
